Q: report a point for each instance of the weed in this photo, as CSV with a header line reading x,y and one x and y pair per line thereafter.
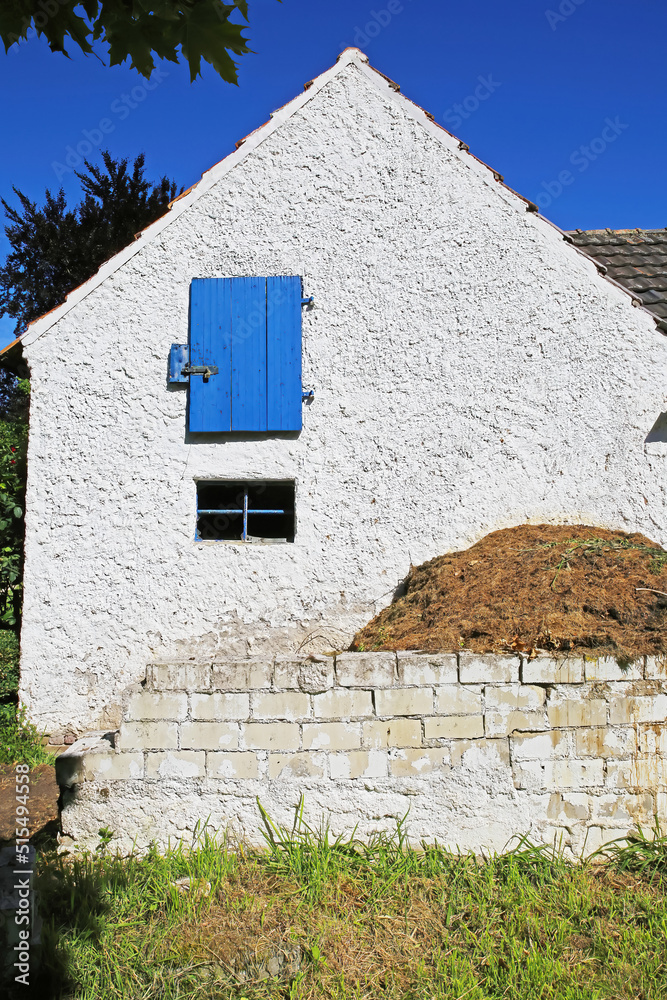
x,y
639,853
20,740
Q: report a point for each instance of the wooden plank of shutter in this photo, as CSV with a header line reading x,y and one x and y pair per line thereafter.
x,y
209,407
249,354
284,387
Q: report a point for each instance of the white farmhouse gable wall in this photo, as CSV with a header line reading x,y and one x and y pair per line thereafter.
x,y
472,371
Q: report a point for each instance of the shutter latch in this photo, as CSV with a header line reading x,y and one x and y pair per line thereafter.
x,y
205,370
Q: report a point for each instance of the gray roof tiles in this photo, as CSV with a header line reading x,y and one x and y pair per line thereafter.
x,y
635,258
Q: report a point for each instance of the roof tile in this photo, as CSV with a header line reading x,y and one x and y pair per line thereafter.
x,y
635,258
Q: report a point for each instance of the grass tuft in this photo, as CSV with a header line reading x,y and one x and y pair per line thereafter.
x,y
640,854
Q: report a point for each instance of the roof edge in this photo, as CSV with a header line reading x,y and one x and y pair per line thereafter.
x,y
244,146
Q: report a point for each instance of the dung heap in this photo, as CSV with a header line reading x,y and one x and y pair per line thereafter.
x,y
562,588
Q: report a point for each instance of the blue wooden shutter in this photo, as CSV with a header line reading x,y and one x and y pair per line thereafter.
x,y
283,327
250,328
249,354
210,405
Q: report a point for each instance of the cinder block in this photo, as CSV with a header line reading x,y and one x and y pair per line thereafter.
x,y
111,766
622,809
661,807
366,670
287,705
567,714
343,704
454,727
241,675
574,774
153,705
628,710
179,676
271,735
209,736
514,698
495,750
542,746
648,771
404,701
177,764
233,766
619,774
421,669
597,837
572,807
656,668
148,736
458,700
651,738
297,765
528,775
358,764
410,763
488,668
503,723
378,735
604,742
550,670
219,706
607,669
332,735
314,675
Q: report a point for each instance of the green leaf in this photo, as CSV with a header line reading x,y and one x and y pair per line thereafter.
x,y
138,30
207,36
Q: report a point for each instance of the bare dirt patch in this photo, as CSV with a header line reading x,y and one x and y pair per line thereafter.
x,y
42,802
560,588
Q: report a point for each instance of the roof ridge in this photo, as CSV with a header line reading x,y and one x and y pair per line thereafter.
x,y
349,56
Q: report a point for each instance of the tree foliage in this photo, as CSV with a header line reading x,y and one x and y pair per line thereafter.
x,y
135,29
54,249
13,446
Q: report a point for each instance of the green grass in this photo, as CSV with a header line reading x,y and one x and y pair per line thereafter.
x,y
313,915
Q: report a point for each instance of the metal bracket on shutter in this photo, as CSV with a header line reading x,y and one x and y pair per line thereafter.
x,y
309,301
178,357
180,368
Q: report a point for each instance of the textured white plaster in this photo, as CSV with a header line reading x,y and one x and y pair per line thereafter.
x,y
472,371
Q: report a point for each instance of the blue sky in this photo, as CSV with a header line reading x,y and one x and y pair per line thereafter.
x,y
574,114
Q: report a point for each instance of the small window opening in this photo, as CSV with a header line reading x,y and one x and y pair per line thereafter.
x,y
245,512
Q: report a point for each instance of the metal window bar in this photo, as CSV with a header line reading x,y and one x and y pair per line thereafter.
x,y
237,510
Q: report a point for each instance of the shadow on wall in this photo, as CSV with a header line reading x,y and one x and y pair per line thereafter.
x,y
656,439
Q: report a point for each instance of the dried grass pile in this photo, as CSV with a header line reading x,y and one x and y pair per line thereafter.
x,y
561,588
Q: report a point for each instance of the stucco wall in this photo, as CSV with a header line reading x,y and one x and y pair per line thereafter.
x,y
472,371
475,749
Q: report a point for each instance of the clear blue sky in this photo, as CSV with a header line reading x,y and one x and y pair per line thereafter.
x,y
558,69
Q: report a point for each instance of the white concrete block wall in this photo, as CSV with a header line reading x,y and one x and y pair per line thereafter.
x,y
476,748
